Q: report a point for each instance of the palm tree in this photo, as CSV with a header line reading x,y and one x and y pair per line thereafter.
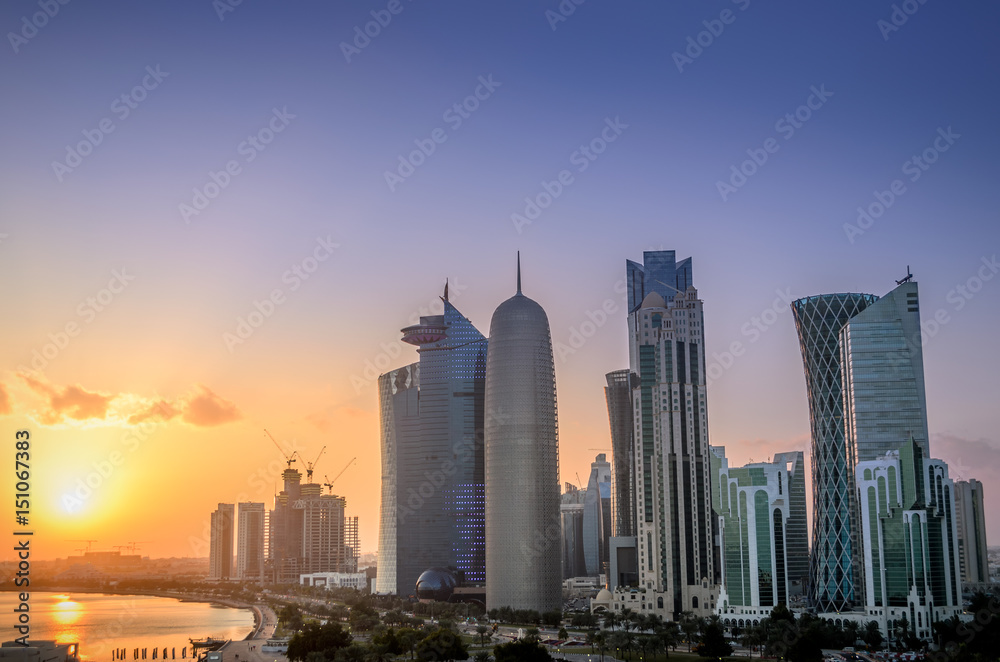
x,y
481,630
691,625
600,638
628,618
667,635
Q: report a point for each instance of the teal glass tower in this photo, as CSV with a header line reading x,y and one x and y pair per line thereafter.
x,y
834,571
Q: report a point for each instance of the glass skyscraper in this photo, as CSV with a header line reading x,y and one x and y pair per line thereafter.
x,y
597,517
883,375
756,505
618,394
833,566
796,531
433,510
864,367
910,547
523,527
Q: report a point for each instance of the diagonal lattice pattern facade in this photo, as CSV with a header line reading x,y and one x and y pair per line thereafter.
x,y
833,564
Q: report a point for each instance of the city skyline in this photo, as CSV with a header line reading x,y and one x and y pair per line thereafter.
x,y
158,343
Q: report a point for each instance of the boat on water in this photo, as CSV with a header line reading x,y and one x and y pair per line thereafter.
x,y
39,651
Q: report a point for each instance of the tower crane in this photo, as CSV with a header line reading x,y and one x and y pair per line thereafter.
x,y
310,465
290,459
86,541
329,483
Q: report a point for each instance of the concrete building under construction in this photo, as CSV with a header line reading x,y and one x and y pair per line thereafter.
x,y
309,532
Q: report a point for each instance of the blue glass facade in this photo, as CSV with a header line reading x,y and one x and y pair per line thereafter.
x,y
883,373
432,444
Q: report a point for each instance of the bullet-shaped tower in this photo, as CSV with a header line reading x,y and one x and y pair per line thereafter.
x,y
523,532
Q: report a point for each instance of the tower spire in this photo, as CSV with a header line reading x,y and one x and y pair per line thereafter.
x,y
445,289
519,272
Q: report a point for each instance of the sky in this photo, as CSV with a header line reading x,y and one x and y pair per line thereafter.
x,y
216,216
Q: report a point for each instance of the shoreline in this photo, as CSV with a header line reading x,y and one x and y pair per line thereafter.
x,y
181,597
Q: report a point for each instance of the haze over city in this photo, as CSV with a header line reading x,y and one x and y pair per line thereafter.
x,y
261,203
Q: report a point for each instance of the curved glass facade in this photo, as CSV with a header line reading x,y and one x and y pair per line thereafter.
x,y
833,569
433,510
523,529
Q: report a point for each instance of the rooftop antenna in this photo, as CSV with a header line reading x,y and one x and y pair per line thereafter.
x,y
519,272
908,278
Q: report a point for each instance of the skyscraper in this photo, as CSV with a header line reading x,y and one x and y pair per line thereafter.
x,y
250,541
910,542
597,517
881,355
329,535
220,555
833,563
284,531
618,394
674,523
796,531
522,460
433,510
755,504
571,510
969,502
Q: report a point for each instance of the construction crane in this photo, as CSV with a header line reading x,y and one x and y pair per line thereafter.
x,y
288,458
329,483
578,479
310,465
133,546
86,541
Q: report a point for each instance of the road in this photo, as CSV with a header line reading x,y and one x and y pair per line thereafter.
x,y
241,650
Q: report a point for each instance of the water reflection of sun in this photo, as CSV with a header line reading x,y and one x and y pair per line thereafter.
x,y
66,612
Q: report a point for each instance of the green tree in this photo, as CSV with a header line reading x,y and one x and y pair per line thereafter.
x,y
521,650
872,635
441,644
532,634
691,626
482,631
713,640
290,618
363,617
408,639
563,633
388,640
354,653
553,619
326,639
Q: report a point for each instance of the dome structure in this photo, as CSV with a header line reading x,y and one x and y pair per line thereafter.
x,y
436,584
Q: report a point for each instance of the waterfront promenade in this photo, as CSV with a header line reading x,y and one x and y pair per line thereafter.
x,y
267,622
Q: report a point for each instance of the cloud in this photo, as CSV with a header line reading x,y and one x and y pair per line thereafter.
x,y
206,409
161,410
967,458
53,406
70,402
5,407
